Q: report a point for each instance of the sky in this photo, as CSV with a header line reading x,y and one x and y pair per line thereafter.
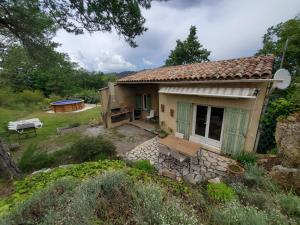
x,y
228,28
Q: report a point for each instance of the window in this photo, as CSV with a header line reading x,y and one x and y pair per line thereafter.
x,y
208,124
147,102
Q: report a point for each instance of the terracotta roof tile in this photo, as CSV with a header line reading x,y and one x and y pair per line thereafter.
x,y
257,67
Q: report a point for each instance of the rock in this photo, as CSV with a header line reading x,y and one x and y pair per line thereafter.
x,y
215,180
286,177
287,138
167,173
14,146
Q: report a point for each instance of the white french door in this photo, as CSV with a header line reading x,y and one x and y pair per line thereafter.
x,y
208,125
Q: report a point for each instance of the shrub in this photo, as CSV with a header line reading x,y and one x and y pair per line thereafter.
x,y
89,96
220,192
92,148
234,213
254,198
30,97
35,210
34,159
152,205
76,124
144,165
290,205
246,158
256,175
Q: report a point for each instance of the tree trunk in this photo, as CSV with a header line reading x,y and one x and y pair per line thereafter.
x,y
7,164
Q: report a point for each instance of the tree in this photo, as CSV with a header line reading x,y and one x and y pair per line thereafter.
x,y
282,102
34,22
274,41
188,51
8,167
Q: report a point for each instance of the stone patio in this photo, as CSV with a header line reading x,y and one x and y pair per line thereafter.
x,y
205,166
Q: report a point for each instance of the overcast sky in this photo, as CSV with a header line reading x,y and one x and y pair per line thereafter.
x,y
228,28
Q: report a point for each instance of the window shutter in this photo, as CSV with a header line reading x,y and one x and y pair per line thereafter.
x,y
138,102
235,130
184,118
149,103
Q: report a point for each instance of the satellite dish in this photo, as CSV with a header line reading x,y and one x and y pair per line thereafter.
x,y
285,76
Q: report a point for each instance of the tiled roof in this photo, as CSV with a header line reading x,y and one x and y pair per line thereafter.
x,y
257,67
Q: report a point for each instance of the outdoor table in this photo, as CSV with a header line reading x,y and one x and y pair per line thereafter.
x,y
180,149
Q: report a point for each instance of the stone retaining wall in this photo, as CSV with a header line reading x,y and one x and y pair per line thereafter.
x,y
205,166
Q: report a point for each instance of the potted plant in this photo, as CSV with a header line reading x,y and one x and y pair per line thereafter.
x,y
235,169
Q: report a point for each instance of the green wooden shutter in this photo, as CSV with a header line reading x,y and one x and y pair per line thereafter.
x,y
235,130
138,102
184,118
149,102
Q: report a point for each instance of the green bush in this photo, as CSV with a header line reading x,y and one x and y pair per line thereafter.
x,y
256,176
220,192
33,159
35,210
89,96
111,198
234,213
92,148
144,165
246,158
290,205
30,97
152,205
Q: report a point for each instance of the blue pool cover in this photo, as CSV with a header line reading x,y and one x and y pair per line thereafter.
x,y
65,102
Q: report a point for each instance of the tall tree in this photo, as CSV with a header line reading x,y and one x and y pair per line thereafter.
x,y
274,41
188,51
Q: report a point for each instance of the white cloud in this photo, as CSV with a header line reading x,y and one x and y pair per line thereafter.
x,y
229,29
147,62
108,61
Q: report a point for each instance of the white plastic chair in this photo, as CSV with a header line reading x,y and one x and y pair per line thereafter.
x,y
151,115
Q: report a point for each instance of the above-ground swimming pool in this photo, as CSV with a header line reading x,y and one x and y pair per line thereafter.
x,y
67,105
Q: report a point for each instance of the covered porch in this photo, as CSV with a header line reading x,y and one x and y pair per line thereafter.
x,y
124,103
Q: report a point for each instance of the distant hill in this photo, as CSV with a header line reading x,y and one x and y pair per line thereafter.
x,y
124,73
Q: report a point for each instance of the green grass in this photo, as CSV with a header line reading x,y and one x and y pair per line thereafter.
x,y
51,121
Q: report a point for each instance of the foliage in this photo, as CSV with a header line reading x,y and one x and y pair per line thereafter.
x,y
256,176
245,157
111,198
34,23
32,159
277,109
233,213
153,206
89,96
50,198
282,102
31,184
91,148
290,205
220,192
188,51
86,149
144,165
52,74
274,41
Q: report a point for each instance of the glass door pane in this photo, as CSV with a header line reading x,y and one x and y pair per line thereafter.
x,y
215,125
201,115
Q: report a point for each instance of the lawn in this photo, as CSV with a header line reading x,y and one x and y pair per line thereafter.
x,y
47,134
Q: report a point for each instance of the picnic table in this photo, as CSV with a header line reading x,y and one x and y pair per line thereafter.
x,y
23,127
180,149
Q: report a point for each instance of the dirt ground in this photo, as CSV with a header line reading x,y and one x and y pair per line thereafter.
x,y
125,137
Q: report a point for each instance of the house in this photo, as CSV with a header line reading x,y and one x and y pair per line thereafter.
x,y
217,104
